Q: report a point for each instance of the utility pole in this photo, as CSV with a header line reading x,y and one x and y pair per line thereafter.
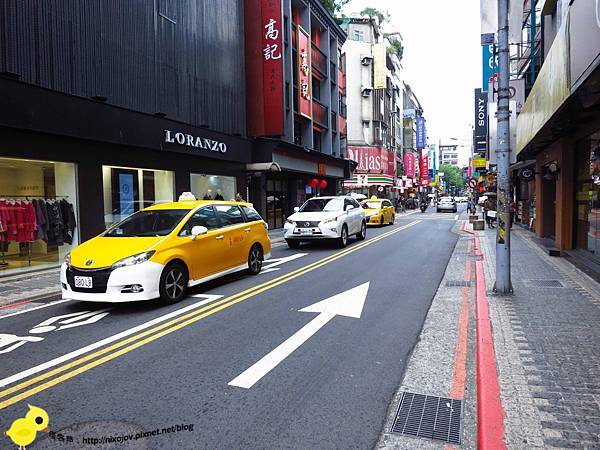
x,y
503,284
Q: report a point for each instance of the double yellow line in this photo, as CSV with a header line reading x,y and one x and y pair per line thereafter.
x,y
106,354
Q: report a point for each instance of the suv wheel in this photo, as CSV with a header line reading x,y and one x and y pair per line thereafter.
x,y
292,243
343,239
363,232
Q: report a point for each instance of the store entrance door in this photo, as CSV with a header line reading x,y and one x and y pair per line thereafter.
x,y
276,203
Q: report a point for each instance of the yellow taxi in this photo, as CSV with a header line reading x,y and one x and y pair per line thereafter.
x,y
378,211
162,250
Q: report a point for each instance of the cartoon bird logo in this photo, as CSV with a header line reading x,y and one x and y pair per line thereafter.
x,y
23,431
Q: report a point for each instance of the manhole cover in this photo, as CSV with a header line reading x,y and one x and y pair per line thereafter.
x,y
545,283
461,283
429,417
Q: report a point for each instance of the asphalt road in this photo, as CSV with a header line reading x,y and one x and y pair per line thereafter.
x,y
103,370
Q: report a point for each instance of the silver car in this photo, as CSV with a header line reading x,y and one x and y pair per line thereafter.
x,y
446,204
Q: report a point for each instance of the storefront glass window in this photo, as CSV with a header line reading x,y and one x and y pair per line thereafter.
x,y
276,202
213,187
38,213
588,194
127,190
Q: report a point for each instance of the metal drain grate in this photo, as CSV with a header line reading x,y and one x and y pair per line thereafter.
x,y
429,417
545,283
454,283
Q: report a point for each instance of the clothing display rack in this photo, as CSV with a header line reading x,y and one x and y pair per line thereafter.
x,y
3,262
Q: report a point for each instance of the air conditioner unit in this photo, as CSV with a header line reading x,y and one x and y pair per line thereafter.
x,y
366,91
366,60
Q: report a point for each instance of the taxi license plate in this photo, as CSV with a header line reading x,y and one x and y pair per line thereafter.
x,y
83,282
305,231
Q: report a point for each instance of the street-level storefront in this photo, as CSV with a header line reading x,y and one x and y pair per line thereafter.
x,y
64,180
375,172
290,176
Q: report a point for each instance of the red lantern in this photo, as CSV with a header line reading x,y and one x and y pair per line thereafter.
x,y
313,183
323,184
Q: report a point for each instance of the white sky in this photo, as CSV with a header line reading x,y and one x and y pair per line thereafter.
x,y
442,59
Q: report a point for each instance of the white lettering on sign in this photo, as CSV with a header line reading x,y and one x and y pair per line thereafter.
x,y
193,141
270,52
304,89
271,33
304,64
481,113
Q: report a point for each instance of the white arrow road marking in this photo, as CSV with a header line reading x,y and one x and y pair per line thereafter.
x,y
349,303
71,320
61,359
271,264
12,341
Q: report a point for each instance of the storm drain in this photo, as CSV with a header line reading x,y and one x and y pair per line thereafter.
x,y
459,283
430,417
545,283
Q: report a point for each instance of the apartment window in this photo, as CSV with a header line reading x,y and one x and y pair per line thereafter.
x,y
297,133
317,140
316,88
359,35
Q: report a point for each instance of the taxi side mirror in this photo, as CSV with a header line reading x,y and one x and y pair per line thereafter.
x,y
198,230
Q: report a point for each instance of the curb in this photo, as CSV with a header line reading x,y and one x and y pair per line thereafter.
x,y
23,301
490,412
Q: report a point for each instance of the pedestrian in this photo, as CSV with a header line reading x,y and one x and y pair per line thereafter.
x,y
487,207
512,209
470,207
239,198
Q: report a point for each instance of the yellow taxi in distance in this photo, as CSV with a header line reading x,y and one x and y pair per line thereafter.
x,y
378,211
162,250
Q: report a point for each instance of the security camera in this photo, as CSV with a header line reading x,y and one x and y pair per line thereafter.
x,y
366,60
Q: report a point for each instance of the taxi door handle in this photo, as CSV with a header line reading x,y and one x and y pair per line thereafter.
x,y
247,230
220,237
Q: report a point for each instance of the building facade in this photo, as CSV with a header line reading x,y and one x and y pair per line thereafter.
x,y
374,91
105,117
411,168
296,107
558,132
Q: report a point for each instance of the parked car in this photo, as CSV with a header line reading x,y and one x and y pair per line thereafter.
x,y
378,211
162,250
329,218
446,204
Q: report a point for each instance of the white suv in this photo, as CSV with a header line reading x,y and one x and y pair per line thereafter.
x,y
326,218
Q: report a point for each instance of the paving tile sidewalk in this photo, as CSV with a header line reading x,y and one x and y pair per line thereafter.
x,y
547,344
29,286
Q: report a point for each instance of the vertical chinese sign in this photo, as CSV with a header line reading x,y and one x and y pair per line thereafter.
x,y
409,164
272,40
304,73
424,159
379,66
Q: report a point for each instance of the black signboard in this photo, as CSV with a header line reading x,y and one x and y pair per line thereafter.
x,y
481,121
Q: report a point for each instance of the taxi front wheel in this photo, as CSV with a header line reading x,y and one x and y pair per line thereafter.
x,y
173,283
255,260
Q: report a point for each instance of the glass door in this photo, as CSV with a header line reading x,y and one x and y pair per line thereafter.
x,y
276,203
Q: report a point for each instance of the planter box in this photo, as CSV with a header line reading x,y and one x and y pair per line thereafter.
x,y
478,225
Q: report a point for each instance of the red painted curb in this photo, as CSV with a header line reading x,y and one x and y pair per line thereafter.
x,y
490,413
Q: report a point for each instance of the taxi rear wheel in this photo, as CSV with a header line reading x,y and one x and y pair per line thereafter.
x,y
255,260
173,283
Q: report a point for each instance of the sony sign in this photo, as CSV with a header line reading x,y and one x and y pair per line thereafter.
x,y
481,120
194,141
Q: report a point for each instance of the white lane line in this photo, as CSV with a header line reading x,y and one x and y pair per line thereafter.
x,y
45,305
456,217
56,361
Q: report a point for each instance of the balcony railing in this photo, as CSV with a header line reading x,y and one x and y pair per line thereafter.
x,y
319,60
320,112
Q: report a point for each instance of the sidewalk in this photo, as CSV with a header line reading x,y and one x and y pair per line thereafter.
x,y
546,340
29,287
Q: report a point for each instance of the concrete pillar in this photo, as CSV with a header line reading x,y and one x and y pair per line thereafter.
x,y
565,196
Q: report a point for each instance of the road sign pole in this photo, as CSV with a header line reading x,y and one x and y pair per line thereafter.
x,y
503,283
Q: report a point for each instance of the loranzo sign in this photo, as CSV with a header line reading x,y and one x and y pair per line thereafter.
x,y
194,141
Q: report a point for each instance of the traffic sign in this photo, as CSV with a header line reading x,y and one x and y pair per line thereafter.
x,y
472,183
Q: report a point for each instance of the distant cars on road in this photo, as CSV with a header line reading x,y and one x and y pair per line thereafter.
x,y
378,211
446,204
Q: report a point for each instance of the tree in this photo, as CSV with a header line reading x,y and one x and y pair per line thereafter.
x,y
374,12
334,6
453,177
396,47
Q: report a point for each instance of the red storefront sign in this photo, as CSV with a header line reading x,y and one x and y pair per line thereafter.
x,y
373,160
304,73
424,167
272,46
409,164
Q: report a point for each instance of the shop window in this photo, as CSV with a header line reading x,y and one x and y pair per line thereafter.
x,y
127,190
587,167
212,187
38,213
317,140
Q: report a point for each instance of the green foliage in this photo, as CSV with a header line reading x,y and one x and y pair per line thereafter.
x,y
452,176
374,12
334,6
396,47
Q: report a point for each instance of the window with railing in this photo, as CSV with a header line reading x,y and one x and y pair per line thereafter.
x,y
317,140
334,121
319,59
320,112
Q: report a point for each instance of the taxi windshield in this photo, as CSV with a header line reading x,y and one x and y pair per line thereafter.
x,y
148,223
323,204
371,205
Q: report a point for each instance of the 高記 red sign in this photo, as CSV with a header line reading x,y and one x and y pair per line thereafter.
x,y
304,74
272,39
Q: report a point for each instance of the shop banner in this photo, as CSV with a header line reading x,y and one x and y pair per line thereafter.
x,y
424,160
490,65
409,164
272,46
379,66
481,120
304,74
421,133
372,160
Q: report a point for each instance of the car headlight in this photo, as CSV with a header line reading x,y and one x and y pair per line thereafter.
x,y
133,260
68,259
291,222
